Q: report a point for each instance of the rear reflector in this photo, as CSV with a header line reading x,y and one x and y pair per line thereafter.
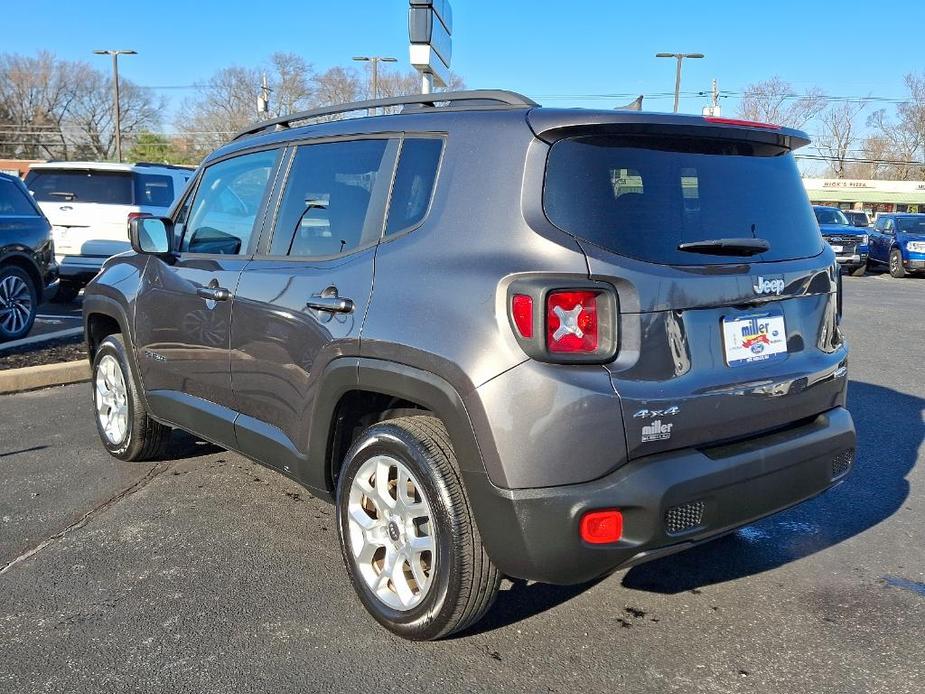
x,y
522,312
741,123
602,527
572,322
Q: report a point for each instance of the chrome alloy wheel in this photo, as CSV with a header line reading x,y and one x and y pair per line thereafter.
x,y
15,304
111,399
391,533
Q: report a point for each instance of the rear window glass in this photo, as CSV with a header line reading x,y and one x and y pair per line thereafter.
x,y
13,201
642,197
153,189
75,185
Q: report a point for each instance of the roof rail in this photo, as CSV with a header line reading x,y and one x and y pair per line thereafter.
x,y
491,96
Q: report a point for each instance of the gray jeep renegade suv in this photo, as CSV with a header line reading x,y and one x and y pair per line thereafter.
x,y
504,340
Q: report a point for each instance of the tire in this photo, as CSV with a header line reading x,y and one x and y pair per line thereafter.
x,y
19,303
459,582
859,271
66,293
896,264
114,389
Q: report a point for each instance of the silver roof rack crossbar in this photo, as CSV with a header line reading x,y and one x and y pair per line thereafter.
x,y
485,96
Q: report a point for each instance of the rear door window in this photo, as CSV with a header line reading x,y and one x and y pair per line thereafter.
x,y
334,201
154,190
13,201
414,183
643,197
81,185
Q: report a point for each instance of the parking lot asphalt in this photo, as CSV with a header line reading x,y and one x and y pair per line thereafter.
x,y
54,317
208,573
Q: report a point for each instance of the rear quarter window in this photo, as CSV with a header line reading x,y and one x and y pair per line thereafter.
x,y
642,197
154,190
414,183
13,201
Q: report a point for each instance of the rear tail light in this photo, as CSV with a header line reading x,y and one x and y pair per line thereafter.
x,y
741,123
601,527
572,322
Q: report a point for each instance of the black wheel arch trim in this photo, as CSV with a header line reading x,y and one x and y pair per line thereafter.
x,y
99,304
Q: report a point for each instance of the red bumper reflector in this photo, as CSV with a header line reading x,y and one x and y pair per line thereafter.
x,y
522,312
602,527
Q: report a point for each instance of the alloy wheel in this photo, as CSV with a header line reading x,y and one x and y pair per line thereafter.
x,y
391,532
111,400
15,304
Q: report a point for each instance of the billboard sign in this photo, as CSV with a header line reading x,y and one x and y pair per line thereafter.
x,y
430,32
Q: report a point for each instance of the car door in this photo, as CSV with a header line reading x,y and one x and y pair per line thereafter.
x,y
183,310
876,239
301,301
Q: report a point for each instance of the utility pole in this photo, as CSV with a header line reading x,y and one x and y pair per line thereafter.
x,y
263,100
677,82
115,94
374,61
713,110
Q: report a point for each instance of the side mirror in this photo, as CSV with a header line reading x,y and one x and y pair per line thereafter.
x,y
151,235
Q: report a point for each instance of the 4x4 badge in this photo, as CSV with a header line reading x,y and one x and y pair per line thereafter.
x,y
647,414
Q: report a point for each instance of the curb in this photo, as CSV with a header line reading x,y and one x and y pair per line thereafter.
x,y
33,377
47,337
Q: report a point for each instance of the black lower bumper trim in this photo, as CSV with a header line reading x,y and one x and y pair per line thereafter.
x,y
533,534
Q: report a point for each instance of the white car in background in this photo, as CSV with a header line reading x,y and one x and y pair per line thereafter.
x,y
89,205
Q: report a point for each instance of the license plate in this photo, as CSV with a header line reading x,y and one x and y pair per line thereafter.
x,y
755,337
838,249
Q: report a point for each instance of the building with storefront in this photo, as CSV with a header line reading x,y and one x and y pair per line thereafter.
x,y
870,196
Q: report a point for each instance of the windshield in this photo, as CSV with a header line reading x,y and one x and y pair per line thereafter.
x,y
911,225
81,185
829,215
644,196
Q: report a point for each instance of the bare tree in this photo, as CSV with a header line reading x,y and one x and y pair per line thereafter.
x,y
292,83
774,101
903,139
837,133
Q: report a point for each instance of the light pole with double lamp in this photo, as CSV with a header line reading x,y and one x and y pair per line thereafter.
x,y
677,82
374,61
115,94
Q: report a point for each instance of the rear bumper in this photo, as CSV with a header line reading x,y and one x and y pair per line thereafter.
x,y
79,268
534,533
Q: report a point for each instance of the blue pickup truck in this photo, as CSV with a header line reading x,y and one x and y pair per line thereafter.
x,y
897,241
850,243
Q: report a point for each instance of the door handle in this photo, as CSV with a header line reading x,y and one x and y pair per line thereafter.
x,y
214,293
331,304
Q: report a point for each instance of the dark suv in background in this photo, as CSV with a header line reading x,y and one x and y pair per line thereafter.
x,y
504,340
28,271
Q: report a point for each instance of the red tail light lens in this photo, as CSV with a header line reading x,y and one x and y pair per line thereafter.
x,y
601,527
572,322
137,215
522,312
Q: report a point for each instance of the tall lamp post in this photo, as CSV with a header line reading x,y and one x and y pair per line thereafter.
x,y
115,93
677,82
374,61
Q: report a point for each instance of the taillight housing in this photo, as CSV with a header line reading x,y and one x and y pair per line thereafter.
x,y
564,320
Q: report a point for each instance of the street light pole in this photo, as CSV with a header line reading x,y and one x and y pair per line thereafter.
x,y
115,94
677,80
374,61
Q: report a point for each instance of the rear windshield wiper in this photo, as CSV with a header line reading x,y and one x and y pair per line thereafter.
x,y
744,246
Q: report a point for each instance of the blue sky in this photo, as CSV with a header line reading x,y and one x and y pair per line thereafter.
x,y
549,49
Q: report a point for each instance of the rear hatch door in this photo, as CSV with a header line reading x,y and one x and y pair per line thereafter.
x,y
88,208
719,342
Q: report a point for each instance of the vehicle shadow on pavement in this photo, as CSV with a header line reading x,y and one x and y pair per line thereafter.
x,y
890,432
184,445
